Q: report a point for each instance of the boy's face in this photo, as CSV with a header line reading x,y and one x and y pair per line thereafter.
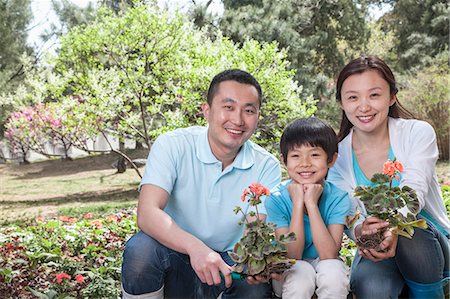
x,y
308,164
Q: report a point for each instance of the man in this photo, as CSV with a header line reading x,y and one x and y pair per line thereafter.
x,y
193,180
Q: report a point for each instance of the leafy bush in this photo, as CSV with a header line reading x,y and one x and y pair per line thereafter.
x,y
65,257
426,95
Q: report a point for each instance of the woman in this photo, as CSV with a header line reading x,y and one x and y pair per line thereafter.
x,y
375,128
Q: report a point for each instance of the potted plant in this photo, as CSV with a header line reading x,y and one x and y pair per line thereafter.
x,y
398,206
259,252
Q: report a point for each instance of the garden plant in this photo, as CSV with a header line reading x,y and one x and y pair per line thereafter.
x,y
259,252
398,206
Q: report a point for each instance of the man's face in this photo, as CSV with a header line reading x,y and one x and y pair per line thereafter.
x,y
232,117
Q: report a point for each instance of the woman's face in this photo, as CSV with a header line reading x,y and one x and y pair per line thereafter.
x,y
365,99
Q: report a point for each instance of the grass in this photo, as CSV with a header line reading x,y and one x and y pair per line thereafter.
x,y
52,188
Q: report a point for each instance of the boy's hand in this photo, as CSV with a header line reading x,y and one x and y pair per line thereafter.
x,y
297,193
312,194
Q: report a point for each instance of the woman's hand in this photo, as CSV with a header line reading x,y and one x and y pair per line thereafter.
x,y
370,226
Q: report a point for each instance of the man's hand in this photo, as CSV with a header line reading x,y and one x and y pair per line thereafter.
x,y
208,264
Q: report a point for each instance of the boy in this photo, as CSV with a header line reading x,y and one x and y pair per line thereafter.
x,y
313,209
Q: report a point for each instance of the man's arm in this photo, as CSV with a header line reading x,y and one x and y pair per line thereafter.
x,y
154,221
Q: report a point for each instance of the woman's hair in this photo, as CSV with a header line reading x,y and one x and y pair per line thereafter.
x,y
359,66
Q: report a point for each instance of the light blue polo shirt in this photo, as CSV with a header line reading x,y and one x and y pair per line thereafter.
x,y
202,196
334,205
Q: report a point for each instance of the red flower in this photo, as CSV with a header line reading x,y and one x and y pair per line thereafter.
x,y
59,277
87,216
79,278
389,168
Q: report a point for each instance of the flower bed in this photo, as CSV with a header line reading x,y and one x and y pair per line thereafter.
x,y
65,257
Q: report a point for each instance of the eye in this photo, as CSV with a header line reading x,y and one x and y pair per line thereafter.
x,y
375,95
228,107
250,110
352,98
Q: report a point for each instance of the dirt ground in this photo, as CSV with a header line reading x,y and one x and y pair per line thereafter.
x,y
40,188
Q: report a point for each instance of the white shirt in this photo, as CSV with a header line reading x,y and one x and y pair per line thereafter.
x,y
414,145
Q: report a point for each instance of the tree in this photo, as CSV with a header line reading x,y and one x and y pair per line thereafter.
x,y
309,30
421,29
147,71
15,16
426,94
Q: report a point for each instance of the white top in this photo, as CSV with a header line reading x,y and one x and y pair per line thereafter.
x,y
202,195
414,145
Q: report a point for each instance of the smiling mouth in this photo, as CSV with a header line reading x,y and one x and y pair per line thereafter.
x,y
366,118
239,132
305,174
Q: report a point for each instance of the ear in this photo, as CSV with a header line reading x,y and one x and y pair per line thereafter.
x,y
205,109
393,100
333,160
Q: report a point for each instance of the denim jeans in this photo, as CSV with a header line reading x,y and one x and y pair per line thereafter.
x,y
148,265
422,259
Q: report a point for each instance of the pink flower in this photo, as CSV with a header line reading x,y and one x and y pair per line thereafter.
x,y
87,216
59,277
79,278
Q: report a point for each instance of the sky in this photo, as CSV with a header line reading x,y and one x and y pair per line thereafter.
x,y
44,16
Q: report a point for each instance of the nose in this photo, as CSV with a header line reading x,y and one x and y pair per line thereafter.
x,y
237,118
364,105
305,161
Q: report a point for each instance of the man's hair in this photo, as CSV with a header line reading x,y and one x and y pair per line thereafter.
x,y
309,131
237,75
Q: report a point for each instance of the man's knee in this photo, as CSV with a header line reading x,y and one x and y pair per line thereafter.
x,y
143,264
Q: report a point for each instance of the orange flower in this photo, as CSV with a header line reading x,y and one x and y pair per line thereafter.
x,y
97,223
112,218
72,220
388,168
79,278
258,189
87,216
244,196
64,218
398,166
59,277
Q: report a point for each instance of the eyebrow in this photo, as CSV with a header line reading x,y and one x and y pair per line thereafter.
x,y
230,100
354,91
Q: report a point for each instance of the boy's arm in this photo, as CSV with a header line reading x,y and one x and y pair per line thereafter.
x,y
326,240
297,226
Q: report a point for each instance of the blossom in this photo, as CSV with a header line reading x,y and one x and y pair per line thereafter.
x,y
79,278
59,277
87,216
389,168
97,223
398,166
254,192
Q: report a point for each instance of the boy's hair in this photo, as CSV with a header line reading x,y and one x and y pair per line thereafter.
x,y
237,75
309,131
